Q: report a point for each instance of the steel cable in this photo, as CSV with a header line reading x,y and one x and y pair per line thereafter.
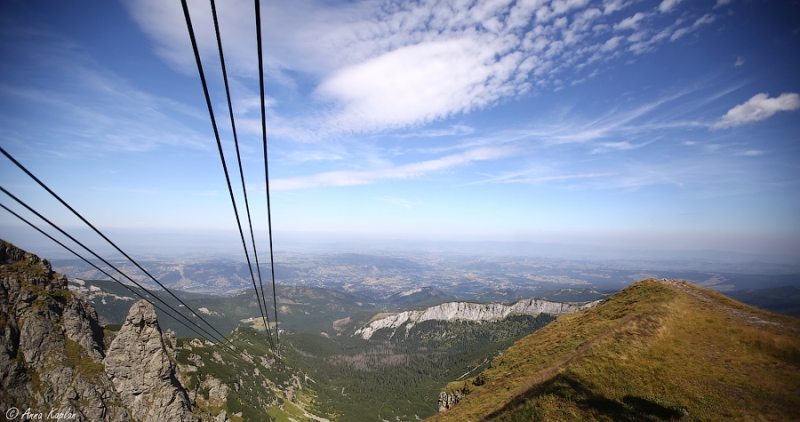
x,y
239,160
266,165
222,158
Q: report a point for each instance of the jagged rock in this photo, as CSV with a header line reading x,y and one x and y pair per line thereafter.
x,y
50,354
39,339
222,417
471,312
139,366
81,325
447,400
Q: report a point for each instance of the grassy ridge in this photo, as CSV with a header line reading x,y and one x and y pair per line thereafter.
x,y
656,350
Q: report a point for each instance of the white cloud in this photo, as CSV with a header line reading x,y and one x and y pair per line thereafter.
x,y
612,43
631,22
611,6
619,146
557,178
406,171
758,108
751,153
679,33
739,61
419,84
668,5
703,20
454,130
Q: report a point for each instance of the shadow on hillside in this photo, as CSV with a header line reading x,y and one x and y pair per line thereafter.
x,y
565,387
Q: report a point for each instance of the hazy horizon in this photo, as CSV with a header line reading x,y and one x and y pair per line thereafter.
x,y
187,245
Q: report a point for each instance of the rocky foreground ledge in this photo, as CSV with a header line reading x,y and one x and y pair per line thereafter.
x,y
52,357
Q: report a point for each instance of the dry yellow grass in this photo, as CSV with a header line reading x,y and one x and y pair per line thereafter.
x,y
658,350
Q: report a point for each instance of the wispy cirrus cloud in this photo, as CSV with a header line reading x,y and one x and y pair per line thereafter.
x,y
619,146
751,153
405,171
88,107
109,115
703,20
400,202
559,177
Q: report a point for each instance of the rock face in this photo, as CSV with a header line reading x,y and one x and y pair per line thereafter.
x,y
472,312
50,346
447,400
53,363
138,364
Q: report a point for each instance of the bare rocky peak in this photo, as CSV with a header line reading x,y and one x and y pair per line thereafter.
x,y
138,363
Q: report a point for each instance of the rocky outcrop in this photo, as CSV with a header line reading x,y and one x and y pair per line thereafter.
x,y
448,400
138,364
50,346
471,312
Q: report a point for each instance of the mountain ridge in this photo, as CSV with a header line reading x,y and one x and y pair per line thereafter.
x,y
471,312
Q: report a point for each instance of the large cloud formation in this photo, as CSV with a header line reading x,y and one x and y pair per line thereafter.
x,y
381,64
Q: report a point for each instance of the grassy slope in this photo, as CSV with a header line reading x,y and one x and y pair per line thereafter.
x,y
654,351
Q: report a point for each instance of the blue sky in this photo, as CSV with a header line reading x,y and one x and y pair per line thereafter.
x,y
663,124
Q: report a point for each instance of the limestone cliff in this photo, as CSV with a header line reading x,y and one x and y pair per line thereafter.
x,y
471,312
138,364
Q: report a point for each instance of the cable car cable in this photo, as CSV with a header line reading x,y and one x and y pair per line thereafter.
x,y
222,157
266,165
238,156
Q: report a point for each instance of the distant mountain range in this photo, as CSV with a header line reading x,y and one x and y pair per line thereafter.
x,y
377,277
